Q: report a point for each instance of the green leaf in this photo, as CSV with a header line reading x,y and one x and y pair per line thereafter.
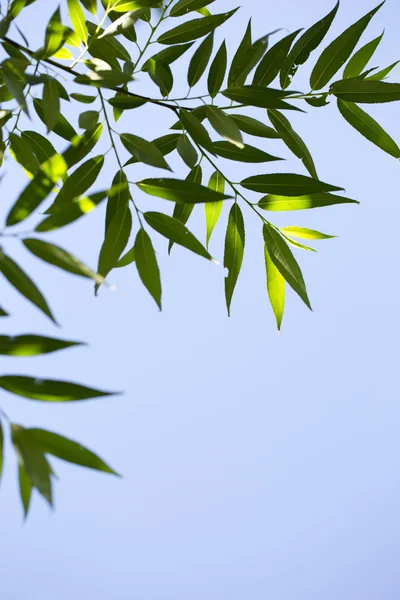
x,y
168,55
23,153
51,104
237,61
213,209
368,127
252,57
384,72
48,390
200,60
50,172
32,461
15,82
361,58
32,345
54,255
248,154
62,127
182,212
108,49
176,190
103,78
284,203
366,91
175,231
273,60
286,184
78,20
183,7
161,74
116,239
1,449
146,263
83,98
186,151
306,234
306,44
70,212
79,181
292,140
122,24
225,126
25,489
127,259
275,288
41,147
23,284
118,196
88,119
3,313
217,71
68,450
126,102
254,127
144,151
234,251
285,262
90,5
338,51
195,129
81,145
256,95
192,30
55,36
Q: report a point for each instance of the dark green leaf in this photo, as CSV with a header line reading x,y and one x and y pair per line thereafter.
x,y
23,153
366,91
192,30
183,7
338,51
126,102
62,127
195,129
217,71
127,259
273,60
25,489
186,151
161,74
81,145
90,5
182,211
32,461
51,104
275,287
384,72
15,82
176,190
84,98
234,251
144,151
32,345
248,154
254,127
70,212
1,449
302,49
225,126
213,209
285,203
146,263
286,184
237,62
116,239
42,148
79,181
200,60
361,58
168,55
368,127
3,313
118,196
256,95
48,390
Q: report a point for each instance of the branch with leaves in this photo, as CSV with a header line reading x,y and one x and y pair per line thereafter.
x,y
93,61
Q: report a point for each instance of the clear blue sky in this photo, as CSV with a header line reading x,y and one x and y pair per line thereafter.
x,y
256,464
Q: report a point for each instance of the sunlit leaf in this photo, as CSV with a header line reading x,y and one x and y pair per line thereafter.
x,y
213,209
306,234
275,287
225,126
320,200
180,191
32,345
286,184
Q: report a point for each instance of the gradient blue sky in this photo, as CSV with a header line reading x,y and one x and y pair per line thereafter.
x,y
256,464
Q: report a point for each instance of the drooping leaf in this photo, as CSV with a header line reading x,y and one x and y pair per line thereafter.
x,y
286,184
284,203
51,104
361,58
146,264
23,284
68,450
25,489
213,209
366,91
195,129
175,231
217,71
292,140
78,20
192,30
234,251
254,127
225,126
58,257
177,190
116,239
302,49
186,151
338,51
118,196
161,73
248,154
200,60
368,127
62,128
32,345
285,262
273,60
183,211
275,287
48,390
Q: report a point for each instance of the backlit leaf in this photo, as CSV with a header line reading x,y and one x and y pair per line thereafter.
x,y
234,251
48,390
284,203
78,20
286,184
225,126
213,209
32,345
176,190
192,30
146,264
275,287
305,233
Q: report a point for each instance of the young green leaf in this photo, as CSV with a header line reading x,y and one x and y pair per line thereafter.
x,y
305,233
23,284
338,51
379,75
273,60
254,127
248,154
306,44
90,5
55,36
195,29
175,231
116,239
58,257
286,184
284,203
368,127
78,20
177,190
48,390
187,151
144,151
361,58
285,262
234,251
32,345
51,104
366,91
225,126
68,450
79,181
292,140
200,60
213,209
275,288
146,263
217,71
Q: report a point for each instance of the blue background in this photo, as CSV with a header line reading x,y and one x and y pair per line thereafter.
x,y
256,464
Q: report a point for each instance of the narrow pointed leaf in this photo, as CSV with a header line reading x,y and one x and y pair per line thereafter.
x,y
187,151
254,127
257,95
361,58
217,71
195,129
127,259
48,390
237,61
234,251
286,184
366,91
183,7
116,239
248,154
225,126
213,209
192,30
177,190
275,203
200,60
275,287
273,60
33,461
25,489
51,104
383,73
79,181
144,151
306,234
62,128
32,345
146,263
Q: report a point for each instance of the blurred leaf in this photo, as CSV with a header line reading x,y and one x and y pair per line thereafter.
x,y
127,259
225,126
84,98
51,104
48,390
62,128
234,251
192,30
82,145
183,7
32,345
88,119
41,147
55,37
25,488
78,20
79,181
